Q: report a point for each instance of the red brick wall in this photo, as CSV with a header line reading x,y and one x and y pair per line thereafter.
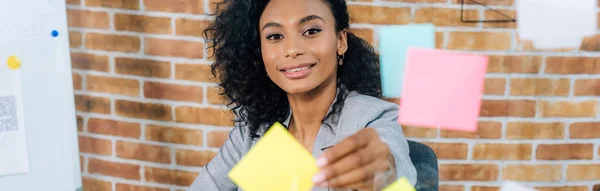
x,y
149,117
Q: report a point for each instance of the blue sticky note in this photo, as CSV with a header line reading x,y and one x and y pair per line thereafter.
x,y
394,41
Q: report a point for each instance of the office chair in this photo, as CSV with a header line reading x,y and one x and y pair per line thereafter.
x,y
425,162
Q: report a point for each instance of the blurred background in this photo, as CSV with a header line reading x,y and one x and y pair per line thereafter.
x,y
149,116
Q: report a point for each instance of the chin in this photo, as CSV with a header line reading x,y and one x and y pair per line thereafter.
x,y
298,87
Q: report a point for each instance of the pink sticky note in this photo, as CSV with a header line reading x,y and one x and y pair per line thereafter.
x,y
442,89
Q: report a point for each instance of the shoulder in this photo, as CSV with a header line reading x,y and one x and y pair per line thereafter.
x,y
365,109
365,103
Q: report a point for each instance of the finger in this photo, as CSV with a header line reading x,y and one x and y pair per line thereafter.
x,y
345,164
358,177
346,146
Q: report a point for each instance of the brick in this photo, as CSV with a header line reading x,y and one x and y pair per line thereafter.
x,y
129,187
439,40
217,138
580,172
587,87
485,2
194,72
497,151
80,123
419,132
143,67
591,43
85,103
113,85
142,23
485,188
449,150
73,2
143,110
95,146
171,177
494,86
365,14
584,130
88,19
572,65
446,187
108,42
485,130
185,157
191,27
114,128
86,61
364,33
563,188
491,15
81,164
568,108
528,46
213,97
575,151
145,152
115,169
443,17
479,41
119,4
176,135
212,5
92,184
540,87
75,39
175,6
514,64
419,1
532,130
176,92
77,81
209,116
508,108
523,172
468,172
173,48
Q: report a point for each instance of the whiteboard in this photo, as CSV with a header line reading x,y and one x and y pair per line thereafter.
x,y
38,130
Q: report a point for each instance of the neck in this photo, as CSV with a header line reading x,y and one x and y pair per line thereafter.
x,y
309,109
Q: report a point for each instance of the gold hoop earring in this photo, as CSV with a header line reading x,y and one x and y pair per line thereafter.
x,y
340,59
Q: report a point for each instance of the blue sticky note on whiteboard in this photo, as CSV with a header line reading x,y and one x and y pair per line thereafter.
x,y
394,40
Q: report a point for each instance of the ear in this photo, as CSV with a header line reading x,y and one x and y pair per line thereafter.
x,y
342,42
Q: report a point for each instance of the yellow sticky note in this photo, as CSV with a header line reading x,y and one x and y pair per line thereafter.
x,y
277,162
401,184
13,62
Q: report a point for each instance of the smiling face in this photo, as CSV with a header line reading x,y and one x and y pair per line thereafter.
x,y
299,44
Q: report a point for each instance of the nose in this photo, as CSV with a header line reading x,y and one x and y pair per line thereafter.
x,y
294,47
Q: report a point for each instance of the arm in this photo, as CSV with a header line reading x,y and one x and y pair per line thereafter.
x,y
213,176
391,133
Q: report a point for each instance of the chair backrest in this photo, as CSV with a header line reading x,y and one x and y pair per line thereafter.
x,y
425,162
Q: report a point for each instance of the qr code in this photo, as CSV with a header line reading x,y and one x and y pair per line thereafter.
x,y
8,114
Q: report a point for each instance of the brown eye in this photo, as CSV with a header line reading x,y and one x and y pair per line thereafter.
x,y
274,37
312,31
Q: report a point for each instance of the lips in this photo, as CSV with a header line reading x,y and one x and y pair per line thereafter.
x,y
297,71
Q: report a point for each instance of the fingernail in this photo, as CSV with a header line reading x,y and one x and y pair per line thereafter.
x,y
318,178
321,162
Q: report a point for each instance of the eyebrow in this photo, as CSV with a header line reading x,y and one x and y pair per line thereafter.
x,y
302,21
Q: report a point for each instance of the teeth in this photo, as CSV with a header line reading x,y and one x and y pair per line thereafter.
x,y
298,69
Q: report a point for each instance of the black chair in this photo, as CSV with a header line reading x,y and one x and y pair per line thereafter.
x,y
425,162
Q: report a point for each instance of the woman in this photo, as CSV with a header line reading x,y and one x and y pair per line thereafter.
x,y
294,61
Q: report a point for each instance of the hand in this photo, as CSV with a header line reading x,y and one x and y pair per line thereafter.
x,y
353,162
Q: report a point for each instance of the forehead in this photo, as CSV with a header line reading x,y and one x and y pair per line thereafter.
x,y
290,11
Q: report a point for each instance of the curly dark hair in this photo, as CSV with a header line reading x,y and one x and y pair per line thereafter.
x,y
257,102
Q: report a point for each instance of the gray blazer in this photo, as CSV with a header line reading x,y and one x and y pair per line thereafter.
x,y
359,111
